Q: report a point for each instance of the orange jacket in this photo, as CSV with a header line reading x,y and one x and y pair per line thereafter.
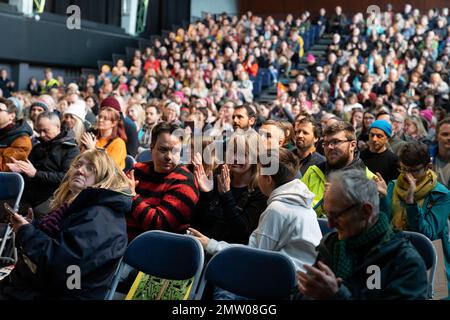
x,y
16,144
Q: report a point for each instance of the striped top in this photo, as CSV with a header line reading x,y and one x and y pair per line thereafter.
x,y
163,201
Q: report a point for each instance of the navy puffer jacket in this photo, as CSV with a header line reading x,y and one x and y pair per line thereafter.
x,y
93,237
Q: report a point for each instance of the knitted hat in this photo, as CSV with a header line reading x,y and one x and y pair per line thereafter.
x,y
180,94
73,88
19,107
175,106
427,115
40,103
112,103
382,125
77,109
310,58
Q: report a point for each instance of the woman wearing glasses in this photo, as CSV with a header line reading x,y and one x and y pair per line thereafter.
x,y
110,134
416,201
73,251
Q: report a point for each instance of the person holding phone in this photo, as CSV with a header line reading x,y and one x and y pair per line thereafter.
x,y
85,231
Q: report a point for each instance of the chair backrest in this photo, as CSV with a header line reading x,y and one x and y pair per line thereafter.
x,y
426,249
12,185
323,224
164,255
129,163
11,188
144,156
251,273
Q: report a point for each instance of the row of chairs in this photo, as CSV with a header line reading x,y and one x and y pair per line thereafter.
x,y
241,270
11,189
244,271
143,156
310,37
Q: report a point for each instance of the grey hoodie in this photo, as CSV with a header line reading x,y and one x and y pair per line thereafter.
x,y
288,225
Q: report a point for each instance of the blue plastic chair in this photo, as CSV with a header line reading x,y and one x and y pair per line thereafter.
x,y
323,224
251,273
129,163
426,249
316,30
265,78
164,255
144,156
12,185
257,87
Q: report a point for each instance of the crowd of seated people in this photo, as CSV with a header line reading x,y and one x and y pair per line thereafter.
x,y
361,136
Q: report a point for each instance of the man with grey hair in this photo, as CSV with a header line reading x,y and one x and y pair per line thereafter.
x,y
365,259
398,139
47,163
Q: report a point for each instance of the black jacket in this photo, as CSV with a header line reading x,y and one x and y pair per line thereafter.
x,y
231,216
402,270
313,159
52,160
93,237
132,136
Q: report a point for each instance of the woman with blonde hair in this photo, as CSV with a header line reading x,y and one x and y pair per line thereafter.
x,y
136,113
414,128
230,202
86,229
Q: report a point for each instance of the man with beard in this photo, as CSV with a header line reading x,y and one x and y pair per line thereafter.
x,y
339,142
244,117
307,133
378,158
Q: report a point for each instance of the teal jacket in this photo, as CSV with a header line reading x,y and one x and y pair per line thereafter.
x,y
431,219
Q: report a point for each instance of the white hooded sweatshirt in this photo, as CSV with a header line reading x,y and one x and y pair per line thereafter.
x,y
288,225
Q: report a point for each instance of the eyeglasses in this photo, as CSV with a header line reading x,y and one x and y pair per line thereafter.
x,y
105,118
339,214
334,143
89,167
411,170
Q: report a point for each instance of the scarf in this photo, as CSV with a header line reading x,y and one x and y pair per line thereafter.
x,y
399,216
344,252
50,223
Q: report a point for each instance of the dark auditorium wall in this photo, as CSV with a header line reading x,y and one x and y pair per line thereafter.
x,y
46,42
163,14
30,45
280,8
101,11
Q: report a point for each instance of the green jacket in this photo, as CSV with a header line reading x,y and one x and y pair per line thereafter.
x,y
402,271
431,219
315,178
